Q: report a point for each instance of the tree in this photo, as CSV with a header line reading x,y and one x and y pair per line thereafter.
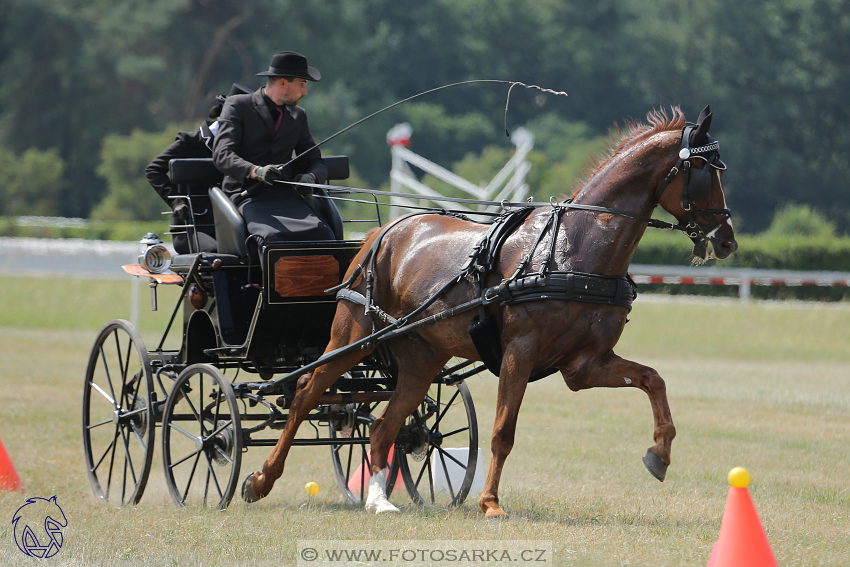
x,y
32,182
800,220
74,71
123,160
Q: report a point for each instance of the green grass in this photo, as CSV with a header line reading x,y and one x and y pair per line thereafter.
x,y
764,385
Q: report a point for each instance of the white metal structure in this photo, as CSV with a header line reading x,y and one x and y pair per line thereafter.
x,y
509,184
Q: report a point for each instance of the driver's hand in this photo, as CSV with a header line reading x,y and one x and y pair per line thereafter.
x,y
181,213
268,174
305,178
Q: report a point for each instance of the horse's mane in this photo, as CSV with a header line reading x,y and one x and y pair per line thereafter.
x,y
635,133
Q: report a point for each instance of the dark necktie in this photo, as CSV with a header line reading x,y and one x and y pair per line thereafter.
x,y
279,118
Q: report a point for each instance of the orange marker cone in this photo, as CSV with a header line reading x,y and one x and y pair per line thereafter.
x,y
742,539
354,481
9,479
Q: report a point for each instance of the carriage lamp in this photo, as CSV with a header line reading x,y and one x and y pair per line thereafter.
x,y
156,258
197,297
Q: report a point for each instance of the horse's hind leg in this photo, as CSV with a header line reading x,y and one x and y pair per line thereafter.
x,y
611,371
347,328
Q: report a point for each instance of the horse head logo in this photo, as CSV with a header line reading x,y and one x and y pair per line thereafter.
x,y
38,527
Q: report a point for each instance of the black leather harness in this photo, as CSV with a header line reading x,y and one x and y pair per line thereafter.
x,y
524,286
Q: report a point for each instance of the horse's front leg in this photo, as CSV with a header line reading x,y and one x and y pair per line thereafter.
x,y
612,371
307,394
513,379
347,328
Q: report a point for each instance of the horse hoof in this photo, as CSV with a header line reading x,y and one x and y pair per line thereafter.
x,y
380,506
248,494
655,465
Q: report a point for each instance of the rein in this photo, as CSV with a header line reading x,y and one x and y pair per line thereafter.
x,y
654,223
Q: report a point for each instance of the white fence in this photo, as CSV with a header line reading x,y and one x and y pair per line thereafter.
x,y
744,278
509,184
103,259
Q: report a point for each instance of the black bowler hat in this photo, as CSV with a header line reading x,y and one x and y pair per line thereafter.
x,y
234,90
291,64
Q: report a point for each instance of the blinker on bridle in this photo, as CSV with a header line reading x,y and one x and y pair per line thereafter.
x,y
697,183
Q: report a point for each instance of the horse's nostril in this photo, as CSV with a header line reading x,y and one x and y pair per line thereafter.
x,y
727,244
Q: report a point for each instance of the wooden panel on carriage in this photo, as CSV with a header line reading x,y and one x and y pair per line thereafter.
x,y
300,272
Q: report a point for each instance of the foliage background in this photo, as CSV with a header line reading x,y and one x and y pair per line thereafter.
x,y
77,75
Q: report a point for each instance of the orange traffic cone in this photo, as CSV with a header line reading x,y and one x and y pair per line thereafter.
x,y
742,540
354,481
9,479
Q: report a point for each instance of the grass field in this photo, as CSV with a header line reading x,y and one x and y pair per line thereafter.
x,y
765,386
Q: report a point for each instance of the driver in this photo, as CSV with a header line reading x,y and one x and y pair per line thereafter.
x,y
259,131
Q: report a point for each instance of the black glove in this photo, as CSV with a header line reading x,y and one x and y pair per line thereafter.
x,y
181,213
305,178
268,174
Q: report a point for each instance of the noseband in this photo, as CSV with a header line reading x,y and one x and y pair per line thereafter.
x,y
697,183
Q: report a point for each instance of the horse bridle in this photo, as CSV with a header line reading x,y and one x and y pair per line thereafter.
x,y
697,183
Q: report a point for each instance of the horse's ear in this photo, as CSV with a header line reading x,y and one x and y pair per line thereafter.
x,y
703,123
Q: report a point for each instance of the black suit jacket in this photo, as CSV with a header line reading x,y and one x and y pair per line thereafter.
x,y
186,145
246,138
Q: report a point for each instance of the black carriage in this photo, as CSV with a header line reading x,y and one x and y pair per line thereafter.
x,y
212,399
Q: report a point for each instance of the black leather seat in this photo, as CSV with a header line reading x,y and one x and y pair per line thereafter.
x,y
193,177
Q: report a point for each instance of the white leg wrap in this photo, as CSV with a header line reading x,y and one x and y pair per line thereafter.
x,y
377,500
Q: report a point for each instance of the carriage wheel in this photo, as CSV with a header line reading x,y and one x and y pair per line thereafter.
x,y
349,461
437,448
118,417
201,438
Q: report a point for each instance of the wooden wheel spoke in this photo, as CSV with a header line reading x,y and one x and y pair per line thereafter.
x,y
100,390
211,471
99,423
443,452
138,436
446,408
184,459
108,449
128,458
223,454
111,397
219,429
443,455
191,475
181,430
455,431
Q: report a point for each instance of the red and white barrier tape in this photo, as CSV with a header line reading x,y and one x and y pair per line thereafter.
x,y
704,280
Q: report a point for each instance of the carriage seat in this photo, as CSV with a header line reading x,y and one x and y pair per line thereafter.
x,y
193,178
231,232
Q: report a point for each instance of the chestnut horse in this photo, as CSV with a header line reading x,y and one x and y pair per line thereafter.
x,y
651,165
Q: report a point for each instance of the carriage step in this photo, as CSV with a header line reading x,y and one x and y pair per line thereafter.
x,y
344,398
225,352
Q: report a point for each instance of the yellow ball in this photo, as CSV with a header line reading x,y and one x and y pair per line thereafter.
x,y
312,488
739,477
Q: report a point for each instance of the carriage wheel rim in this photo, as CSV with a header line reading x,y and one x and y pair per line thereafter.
x,y
414,478
118,373
204,429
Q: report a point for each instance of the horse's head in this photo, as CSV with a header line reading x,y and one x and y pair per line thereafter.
x,y
693,192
